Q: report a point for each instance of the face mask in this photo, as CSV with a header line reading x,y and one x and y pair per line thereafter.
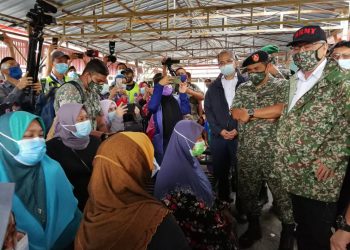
x,y
73,75
227,69
198,148
15,72
142,91
83,129
273,60
119,72
167,90
306,60
31,151
257,77
61,68
344,63
104,89
111,116
183,78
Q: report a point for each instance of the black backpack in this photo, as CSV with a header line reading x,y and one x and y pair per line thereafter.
x,y
45,104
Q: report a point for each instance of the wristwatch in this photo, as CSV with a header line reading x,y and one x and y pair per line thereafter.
x,y
342,224
251,113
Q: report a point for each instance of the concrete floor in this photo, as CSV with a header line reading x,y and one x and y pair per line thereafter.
x,y
271,228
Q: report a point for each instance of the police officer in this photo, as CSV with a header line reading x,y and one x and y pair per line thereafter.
x,y
312,138
257,106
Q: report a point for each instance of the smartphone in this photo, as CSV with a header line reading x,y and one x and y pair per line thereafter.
x,y
54,41
177,79
1,37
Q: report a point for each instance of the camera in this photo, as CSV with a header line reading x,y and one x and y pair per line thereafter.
x,y
111,57
170,61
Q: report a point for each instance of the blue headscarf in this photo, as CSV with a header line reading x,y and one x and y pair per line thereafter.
x,y
179,170
44,185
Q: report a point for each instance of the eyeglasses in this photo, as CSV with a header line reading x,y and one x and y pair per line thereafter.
x,y
306,47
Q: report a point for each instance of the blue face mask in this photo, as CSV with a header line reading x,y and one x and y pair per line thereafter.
x,y
183,78
15,72
73,75
142,91
31,151
111,116
227,69
61,68
83,129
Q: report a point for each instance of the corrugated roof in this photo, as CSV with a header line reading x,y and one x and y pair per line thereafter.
x,y
181,42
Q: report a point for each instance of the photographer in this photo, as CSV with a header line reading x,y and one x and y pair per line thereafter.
x,y
12,90
167,110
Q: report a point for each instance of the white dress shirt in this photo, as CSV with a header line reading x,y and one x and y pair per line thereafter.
x,y
304,85
229,89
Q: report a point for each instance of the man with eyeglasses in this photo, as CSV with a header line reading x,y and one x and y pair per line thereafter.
x,y
217,102
257,106
341,53
312,138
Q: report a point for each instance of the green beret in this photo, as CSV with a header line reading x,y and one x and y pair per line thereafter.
x,y
270,49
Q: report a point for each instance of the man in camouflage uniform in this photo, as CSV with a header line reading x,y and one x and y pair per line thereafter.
x,y
312,138
276,70
257,106
94,73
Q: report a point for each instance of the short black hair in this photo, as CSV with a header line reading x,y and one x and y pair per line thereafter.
x,y
122,64
6,59
179,69
71,67
157,77
342,44
96,66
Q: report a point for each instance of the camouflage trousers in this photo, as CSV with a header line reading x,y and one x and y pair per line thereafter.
x,y
255,167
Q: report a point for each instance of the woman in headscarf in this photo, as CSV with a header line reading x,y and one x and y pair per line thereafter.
x,y
180,167
74,148
44,205
113,115
167,110
120,214
183,186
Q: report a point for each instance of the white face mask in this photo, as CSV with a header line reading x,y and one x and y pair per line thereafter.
x,y
344,63
105,89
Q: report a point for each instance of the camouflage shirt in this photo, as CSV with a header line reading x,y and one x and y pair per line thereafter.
x,y
259,134
68,93
316,128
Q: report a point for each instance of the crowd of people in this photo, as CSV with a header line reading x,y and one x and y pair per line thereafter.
x,y
120,166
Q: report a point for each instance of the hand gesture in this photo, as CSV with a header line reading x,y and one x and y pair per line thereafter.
x,y
183,88
340,240
8,40
24,82
37,87
51,48
164,81
121,110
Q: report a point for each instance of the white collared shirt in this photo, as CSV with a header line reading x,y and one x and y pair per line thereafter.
x,y
304,85
229,89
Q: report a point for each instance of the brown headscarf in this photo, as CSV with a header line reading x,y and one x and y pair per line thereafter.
x,y
120,214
